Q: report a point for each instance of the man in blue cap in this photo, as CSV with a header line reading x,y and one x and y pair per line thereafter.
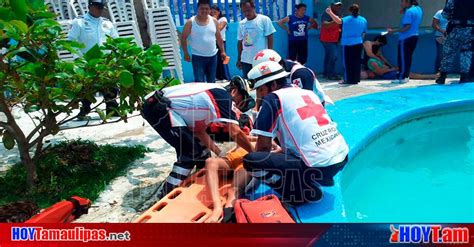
x,y
92,29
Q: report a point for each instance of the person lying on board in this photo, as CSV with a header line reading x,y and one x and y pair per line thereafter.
x,y
181,114
233,161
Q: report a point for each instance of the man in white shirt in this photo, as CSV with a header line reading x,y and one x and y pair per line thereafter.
x,y
93,29
255,34
439,24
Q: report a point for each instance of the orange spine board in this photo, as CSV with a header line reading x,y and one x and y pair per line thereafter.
x,y
189,203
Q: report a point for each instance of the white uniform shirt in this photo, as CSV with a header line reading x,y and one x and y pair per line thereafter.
x,y
317,88
301,124
193,104
91,31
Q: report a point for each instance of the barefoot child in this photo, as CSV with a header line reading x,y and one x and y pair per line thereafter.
x,y
232,161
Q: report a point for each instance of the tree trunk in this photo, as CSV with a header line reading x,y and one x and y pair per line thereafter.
x,y
22,142
30,166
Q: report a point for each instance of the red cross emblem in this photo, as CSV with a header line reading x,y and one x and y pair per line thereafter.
x,y
313,110
259,55
264,69
297,82
272,59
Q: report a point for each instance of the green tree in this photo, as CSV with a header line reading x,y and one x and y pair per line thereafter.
x,y
34,79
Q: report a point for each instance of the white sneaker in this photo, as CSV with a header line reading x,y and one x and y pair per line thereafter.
x,y
405,80
396,81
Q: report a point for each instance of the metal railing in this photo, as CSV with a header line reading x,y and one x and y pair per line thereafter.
x,y
181,10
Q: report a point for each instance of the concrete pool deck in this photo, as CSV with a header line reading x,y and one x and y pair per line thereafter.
x,y
128,195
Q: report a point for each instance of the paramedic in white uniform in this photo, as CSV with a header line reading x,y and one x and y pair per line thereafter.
x,y
312,149
181,115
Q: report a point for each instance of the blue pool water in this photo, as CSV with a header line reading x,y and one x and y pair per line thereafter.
x,y
419,171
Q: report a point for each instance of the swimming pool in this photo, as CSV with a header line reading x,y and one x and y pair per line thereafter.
x,y
411,159
421,170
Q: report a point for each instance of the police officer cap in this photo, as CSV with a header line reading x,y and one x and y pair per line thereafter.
x,y
100,3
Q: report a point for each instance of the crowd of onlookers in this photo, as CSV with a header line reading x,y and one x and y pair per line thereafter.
x,y
341,37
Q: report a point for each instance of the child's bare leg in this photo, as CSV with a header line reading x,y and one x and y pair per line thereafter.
x,y
213,166
241,179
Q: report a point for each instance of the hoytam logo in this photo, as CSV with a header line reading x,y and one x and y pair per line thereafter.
x,y
72,234
435,234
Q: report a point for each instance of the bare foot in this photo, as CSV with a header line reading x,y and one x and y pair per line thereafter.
x,y
216,215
